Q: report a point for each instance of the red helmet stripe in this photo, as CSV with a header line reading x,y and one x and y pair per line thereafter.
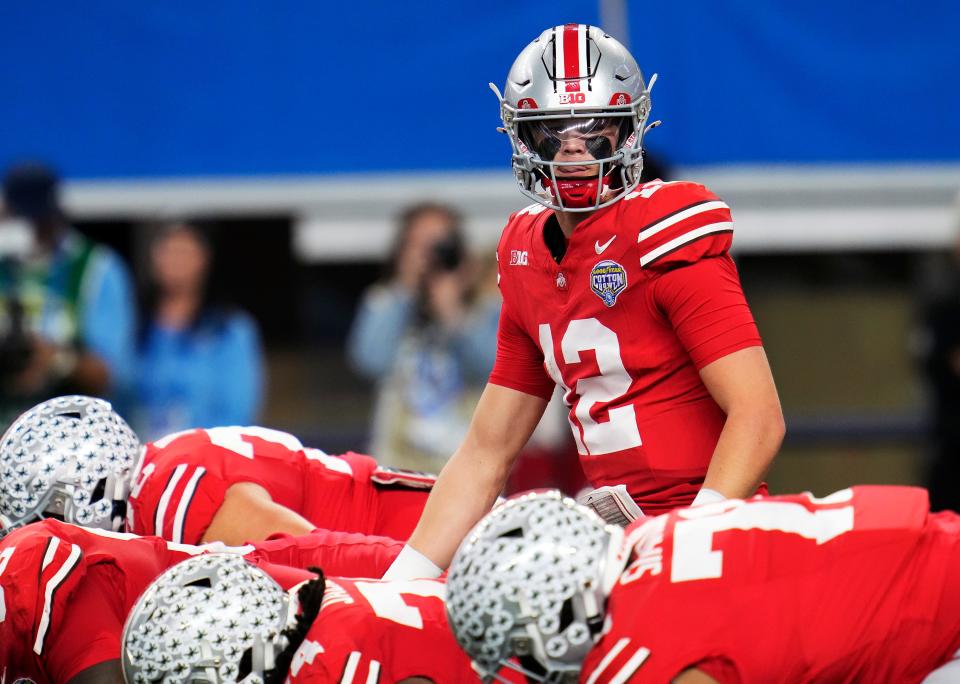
x,y
571,51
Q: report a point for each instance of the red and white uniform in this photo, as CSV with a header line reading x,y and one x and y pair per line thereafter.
x,y
183,478
862,586
65,592
377,632
645,296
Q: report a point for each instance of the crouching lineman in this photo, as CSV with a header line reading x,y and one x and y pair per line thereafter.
x,y
220,619
66,590
73,457
861,586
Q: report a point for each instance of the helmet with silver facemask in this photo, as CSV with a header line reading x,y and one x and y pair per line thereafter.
x,y
71,458
527,588
213,618
576,86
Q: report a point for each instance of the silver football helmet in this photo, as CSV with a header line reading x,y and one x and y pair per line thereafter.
x,y
531,581
70,457
576,83
213,618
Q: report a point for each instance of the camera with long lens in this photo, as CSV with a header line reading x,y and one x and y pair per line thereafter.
x,y
448,253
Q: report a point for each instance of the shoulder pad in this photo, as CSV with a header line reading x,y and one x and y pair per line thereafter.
x,y
681,223
512,249
523,217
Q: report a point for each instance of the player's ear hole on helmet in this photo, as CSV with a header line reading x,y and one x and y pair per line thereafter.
x,y
516,533
119,509
530,663
310,597
99,490
566,614
245,666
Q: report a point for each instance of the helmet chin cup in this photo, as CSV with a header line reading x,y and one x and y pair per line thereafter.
x,y
574,193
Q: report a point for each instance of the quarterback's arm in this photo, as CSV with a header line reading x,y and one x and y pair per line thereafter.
x,y
742,385
474,476
694,676
249,514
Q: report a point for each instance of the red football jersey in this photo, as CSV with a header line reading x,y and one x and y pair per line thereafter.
x,y
65,592
181,482
645,296
377,632
861,586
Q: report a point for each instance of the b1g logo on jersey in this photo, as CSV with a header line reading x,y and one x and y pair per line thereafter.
x,y
607,280
518,257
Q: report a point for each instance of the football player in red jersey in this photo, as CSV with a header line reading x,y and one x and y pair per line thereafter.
x,y
74,458
65,590
236,484
623,295
860,586
336,630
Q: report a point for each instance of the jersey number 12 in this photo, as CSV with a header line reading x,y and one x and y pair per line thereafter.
x,y
593,437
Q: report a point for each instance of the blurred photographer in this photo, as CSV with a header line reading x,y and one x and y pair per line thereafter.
x,y
426,335
66,303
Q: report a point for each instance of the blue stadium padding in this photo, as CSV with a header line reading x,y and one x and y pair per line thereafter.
x,y
120,89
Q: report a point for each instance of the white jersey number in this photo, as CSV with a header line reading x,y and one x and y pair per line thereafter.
x,y
694,557
386,599
620,430
232,438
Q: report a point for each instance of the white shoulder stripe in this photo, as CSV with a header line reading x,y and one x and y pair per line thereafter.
x,y
636,660
165,499
373,674
607,659
650,231
185,500
351,668
50,552
51,587
532,209
684,239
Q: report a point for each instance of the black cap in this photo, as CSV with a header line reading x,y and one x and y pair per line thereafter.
x,y
31,190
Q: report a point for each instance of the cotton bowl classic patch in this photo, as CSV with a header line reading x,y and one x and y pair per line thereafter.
x,y
607,280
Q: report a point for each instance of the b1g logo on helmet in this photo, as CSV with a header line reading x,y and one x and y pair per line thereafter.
x,y
607,280
572,98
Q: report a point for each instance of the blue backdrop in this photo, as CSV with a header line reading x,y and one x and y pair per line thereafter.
x,y
119,89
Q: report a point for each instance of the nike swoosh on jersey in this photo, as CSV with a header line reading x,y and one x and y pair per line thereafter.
x,y
597,246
